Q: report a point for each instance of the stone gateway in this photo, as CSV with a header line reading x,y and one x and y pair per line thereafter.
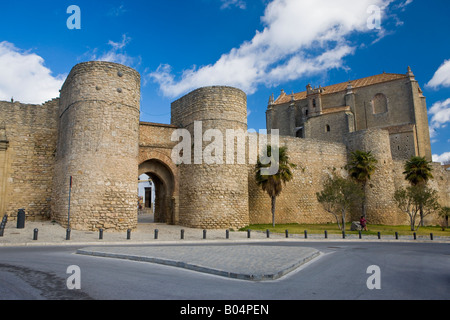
x,y
92,133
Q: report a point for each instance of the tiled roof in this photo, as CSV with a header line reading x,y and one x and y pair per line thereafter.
x,y
380,78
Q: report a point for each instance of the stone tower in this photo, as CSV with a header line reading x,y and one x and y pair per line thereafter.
x,y
213,195
98,146
381,187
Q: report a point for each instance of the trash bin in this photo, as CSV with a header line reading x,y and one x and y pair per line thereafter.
x,y
21,219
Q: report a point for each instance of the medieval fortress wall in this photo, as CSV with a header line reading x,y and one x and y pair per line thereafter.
x,y
28,137
92,133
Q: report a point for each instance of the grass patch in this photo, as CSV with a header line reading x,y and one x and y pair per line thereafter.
x,y
332,228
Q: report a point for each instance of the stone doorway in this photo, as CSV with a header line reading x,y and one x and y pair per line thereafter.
x,y
164,185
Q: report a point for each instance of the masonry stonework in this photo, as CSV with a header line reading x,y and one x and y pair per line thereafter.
x,y
98,147
92,133
212,195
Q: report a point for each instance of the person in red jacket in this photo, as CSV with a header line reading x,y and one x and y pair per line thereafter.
x,y
363,223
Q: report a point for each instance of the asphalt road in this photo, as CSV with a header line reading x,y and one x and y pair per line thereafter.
x,y
418,271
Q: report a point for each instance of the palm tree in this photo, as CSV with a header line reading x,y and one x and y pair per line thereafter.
x,y
361,167
273,184
418,172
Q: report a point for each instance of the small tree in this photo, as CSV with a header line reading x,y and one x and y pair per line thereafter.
x,y
273,184
416,199
418,172
337,196
444,214
361,167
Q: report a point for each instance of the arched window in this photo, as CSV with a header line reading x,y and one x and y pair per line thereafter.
x,y
379,103
327,128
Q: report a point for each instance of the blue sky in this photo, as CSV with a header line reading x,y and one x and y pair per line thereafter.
x,y
260,46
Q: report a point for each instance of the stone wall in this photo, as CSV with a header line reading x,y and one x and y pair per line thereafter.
x,y
331,127
29,134
155,160
93,134
316,160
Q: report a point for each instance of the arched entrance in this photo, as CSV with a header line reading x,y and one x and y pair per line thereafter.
x,y
164,182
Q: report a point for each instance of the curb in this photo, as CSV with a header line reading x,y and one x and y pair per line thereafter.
x,y
204,269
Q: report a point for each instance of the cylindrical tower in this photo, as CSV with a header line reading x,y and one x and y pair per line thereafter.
x,y
98,145
380,189
213,195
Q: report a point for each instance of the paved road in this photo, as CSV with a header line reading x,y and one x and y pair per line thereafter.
x,y
407,271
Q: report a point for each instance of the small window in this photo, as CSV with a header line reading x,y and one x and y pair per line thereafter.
x,y
314,103
327,128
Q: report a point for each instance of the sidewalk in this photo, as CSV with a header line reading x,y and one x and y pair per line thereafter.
x,y
53,234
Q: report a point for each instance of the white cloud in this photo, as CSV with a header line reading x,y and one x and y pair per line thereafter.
x,y
300,37
117,11
24,76
442,158
440,116
116,53
404,4
441,76
233,3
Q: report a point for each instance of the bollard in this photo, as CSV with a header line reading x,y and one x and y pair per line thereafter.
x,y
227,234
431,236
360,236
306,234
248,233
156,234
379,235
326,234
21,219
268,233
415,236
68,234
396,235
204,234
35,234
100,234
343,234
182,234
287,233
128,234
